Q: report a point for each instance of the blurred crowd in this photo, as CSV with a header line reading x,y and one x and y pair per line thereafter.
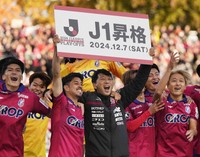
x,y
33,45
172,38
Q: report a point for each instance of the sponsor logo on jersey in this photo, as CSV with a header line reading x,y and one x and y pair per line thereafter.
x,y
170,106
88,74
117,109
22,96
35,116
11,111
72,109
176,118
150,122
2,107
118,116
75,122
98,99
135,107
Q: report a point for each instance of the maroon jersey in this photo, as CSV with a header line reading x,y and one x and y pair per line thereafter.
x,y
67,128
194,93
142,140
14,107
171,124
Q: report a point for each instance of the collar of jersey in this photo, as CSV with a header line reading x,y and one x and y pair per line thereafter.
x,y
71,101
171,100
20,89
139,102
147,93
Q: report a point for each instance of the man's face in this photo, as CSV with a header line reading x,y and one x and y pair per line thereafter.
x,y
153,80
12,77
38,87
104,84
74,88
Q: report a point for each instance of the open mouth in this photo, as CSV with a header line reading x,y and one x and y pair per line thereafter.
x,y
80,91
106,88
155,83
14,78
177,88
37,93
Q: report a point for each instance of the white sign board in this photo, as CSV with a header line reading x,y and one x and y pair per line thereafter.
x,y
104,35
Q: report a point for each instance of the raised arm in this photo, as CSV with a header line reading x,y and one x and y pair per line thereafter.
x,y
57,80
133,89
163,82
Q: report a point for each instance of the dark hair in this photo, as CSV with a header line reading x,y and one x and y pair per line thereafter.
x,y
198,70
128,76
4,63
69,77
100,71
41,75
154,66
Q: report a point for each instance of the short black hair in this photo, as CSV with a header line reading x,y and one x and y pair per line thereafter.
x,y
198,70
154,66
69,77
4,63
41,75
100,71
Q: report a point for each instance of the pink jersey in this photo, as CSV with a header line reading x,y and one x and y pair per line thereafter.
x,y
14,108
67,129
194,93
171,124
142,140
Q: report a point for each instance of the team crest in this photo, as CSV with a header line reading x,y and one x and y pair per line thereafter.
x,y
21,102
112,101
187,109
96,63
127,115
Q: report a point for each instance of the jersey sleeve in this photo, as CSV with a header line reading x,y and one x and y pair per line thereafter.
x,y
117,69
40,106
133,124
59,100
130,91
194,111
